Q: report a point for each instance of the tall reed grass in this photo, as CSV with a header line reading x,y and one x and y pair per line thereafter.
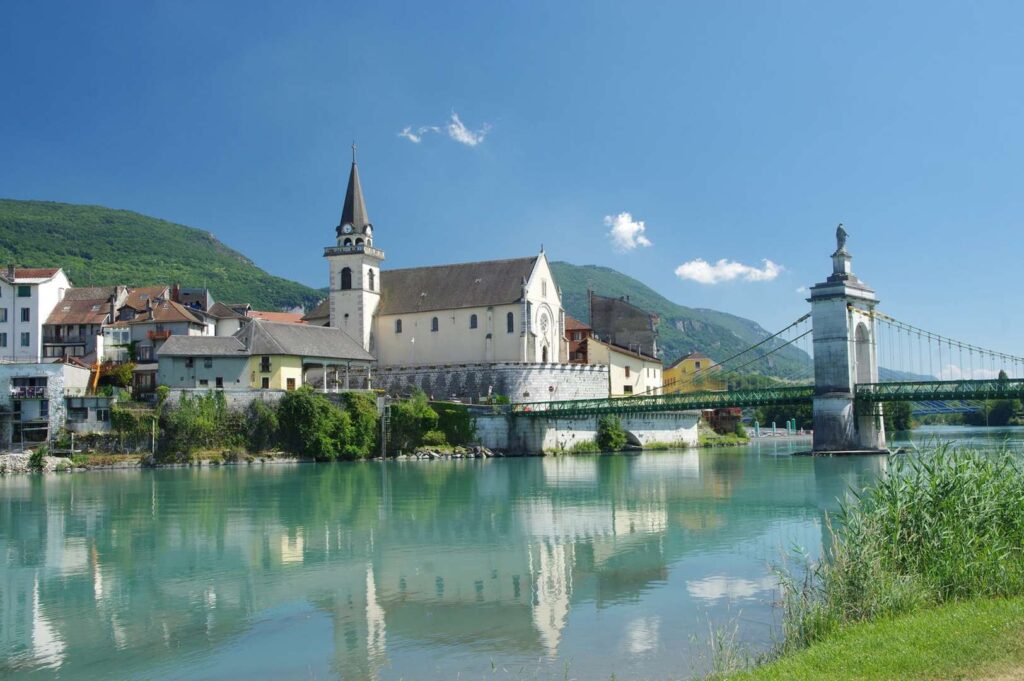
x,y
940,526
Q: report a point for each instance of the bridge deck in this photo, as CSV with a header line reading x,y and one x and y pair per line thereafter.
x,y
664,403
867,393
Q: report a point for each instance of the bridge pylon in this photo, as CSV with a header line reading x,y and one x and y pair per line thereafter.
x,y
845,354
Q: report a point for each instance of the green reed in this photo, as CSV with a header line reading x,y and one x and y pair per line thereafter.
x,y
939,526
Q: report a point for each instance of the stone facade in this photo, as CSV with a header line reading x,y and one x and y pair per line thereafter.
x,y
518,382
536,435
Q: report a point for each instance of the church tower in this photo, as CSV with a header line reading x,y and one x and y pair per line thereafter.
x,y
354,267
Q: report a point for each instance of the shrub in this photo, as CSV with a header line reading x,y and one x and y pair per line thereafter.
x,y
434,438
261,426
610,435
162,393
939,527
118,374
199,422
458,424
410,420
36,458
312,425
362,411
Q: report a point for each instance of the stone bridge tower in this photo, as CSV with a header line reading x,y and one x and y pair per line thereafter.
x,y
844,355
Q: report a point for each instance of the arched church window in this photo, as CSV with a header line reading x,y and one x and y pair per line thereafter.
x,y
359,241
348,242
510,322
372,278
398,326
433,324
346,278
472,321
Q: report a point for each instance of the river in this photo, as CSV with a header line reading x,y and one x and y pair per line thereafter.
x,y
542,568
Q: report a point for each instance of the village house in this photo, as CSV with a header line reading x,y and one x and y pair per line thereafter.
x,y
629,373
75,326
266,355
577,333
33,399
693,373
27,297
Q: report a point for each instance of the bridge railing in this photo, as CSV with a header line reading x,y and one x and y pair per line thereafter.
x,y
665,403
927,391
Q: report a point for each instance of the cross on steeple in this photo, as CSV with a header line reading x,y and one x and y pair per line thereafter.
x,y
353,152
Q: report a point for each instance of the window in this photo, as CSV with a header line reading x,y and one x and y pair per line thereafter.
x,y
189,362
348,242
510,322
372,278
346,278
627,390
696,365
3,314
24,291
265,364
627,372
433,324
203,383
26,340
78,414
3,340
207,362
219,382
103,415
359,242
472,321
26,314
265,383
398,326
291,384
577,335
544,287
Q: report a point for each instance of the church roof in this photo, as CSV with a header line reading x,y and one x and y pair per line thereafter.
x,y
448,287
354,211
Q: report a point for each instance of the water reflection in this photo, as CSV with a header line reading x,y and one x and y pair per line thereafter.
x,y
402,570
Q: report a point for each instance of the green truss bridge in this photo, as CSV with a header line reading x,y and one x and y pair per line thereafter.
x,y
865,394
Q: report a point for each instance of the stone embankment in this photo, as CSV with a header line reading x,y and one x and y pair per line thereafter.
x,y
19,463
471,452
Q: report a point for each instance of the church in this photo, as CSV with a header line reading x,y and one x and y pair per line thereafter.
x,y
499,311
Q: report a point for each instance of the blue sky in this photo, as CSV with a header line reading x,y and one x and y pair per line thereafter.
x,y
736,131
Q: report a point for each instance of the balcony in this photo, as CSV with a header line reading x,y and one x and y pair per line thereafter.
x,y
64,340
357,248
28,392
158,335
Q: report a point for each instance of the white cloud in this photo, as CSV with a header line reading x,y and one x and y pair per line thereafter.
x,y
737,588
626,233
801,289
703,272
454,128
458,131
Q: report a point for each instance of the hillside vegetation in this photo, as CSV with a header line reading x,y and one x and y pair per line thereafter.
x,y
99,246
683,329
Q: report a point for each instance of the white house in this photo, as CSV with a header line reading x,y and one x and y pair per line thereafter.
x,y
27,297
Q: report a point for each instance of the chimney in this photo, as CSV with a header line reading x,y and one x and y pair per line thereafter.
x,y
176,293
10,271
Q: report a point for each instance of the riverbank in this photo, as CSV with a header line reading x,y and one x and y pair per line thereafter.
x,y
977,639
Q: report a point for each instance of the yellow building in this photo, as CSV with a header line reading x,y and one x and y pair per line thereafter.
x,y
693,373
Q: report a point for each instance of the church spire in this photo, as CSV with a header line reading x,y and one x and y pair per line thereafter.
x,y
354,211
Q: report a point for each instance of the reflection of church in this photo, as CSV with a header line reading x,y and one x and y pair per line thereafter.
x,y
480,312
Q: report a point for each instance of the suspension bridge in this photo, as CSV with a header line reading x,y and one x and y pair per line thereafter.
x,y
850,359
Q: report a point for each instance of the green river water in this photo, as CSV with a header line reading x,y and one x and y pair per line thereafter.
x,y
543,568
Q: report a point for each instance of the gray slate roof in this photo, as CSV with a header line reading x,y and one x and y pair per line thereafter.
x,y
447,287
275,338
319,313
354,211
205,346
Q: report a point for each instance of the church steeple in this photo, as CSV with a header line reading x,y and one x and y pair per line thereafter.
x,y
353,214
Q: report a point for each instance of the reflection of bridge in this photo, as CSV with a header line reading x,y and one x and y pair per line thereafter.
x,y
855,359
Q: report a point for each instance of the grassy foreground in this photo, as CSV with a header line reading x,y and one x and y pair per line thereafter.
x,y
980,639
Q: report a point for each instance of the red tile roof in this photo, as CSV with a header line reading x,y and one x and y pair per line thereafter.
x,y
286,317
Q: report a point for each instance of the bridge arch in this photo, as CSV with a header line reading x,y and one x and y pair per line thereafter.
x,y
862,354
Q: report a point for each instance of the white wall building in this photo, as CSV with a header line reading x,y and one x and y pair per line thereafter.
x,y
27,297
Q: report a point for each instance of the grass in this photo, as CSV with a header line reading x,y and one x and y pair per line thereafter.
x,y
923,579
657,445
969,640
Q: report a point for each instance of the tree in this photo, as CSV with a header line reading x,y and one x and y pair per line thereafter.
x,y
411,419
312,425
898,416
610,435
